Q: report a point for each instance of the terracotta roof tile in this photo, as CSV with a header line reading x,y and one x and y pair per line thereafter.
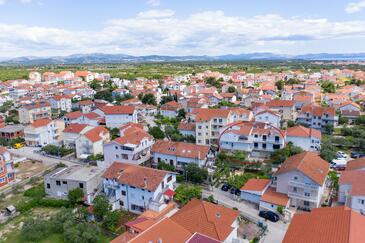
x,y
300,131
356,164
273,197
95,134
74,128
41,122
255,185
181,149
117,109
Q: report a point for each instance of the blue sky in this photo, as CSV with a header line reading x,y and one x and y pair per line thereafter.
x,y
176,27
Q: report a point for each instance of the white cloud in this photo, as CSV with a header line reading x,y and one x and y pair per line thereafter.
x,y
355,7
163,32
154,3
164,13
2,2
25,1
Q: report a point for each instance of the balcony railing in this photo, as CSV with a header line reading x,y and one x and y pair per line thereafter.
x,y
302,185
301,196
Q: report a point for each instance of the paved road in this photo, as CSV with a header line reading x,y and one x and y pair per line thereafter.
x,y
29,153
276,231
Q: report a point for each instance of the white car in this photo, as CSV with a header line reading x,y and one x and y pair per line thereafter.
x,y
341,154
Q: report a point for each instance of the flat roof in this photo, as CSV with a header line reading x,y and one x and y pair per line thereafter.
x,y
12,128
76,173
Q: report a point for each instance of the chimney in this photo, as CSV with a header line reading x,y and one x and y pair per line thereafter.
x,y
159,240
145,182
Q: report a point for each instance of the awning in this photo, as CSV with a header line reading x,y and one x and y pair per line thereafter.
x,y
170,193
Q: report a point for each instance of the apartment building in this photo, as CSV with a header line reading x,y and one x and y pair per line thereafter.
x,y
309,139
7,170
302,178
137,188
284,107
179,154
28,113
117,116
41,133
10,132
351,190
271,117
72,132
91,142
256,138
170,109
61,103
317,117
133,146
60,182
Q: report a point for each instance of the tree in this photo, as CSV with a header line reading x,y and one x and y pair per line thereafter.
x,y
34,230
164,166
101,207
166,99
111,219
75,196
156,132
290,123
231,89
279,156
181,113
343,120
104,95
149,99
81,233
280,84
184,193
280,209
328,151
328,87
361,120
328,129
195,174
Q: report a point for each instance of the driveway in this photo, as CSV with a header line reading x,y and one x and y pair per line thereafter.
x,y
275,232
29,152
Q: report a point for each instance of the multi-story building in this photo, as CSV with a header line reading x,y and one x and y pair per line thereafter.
x,y
91,142
179,154
284,107
351,190
61,181
117,116
170,109
9,132
137,188
133,146
61,103
302,178
28,113
72,132
317,117
256,138
41,133
309,139
271,117
7,171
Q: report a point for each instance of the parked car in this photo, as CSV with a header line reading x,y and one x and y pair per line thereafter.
x,y
269,215
341,154
225,187
356,155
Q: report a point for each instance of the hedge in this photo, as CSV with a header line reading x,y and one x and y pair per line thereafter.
x,y
42,202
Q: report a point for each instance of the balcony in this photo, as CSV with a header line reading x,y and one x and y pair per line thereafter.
x,y
302,185
311,198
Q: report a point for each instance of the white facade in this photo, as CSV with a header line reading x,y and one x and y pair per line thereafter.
x,y
268,117
306,143
117,120
177,161
41,136
63,104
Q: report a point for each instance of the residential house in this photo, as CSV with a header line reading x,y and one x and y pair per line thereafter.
x,y
309,139
7,170
91,142
271,117
72,132
317,117
284,107
61,103
352,190
85,106
61,181
253,190
179,154
328,224
186,129
137,188
133,146
356,164
302,178
256,138
41,132
116,116
170,109
10,132
28,113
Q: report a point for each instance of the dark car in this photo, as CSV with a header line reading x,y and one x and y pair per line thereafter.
x,y
356,155
269,216
225,187
233,190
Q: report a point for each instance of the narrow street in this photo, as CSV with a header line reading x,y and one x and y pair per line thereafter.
x,y
275,232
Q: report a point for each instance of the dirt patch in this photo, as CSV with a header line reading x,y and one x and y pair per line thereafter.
x,y
29,168
248,230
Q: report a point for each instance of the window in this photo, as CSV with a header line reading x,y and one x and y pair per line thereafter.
x,y
295,189
58,183
306,203
171,162
116,147
121,203
117,156
64,182
169,178
307,194
256,145
264,137
123,193
81,185
295,177
142,197
264,145
362,201
48,186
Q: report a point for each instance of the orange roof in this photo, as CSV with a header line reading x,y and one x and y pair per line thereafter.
x,y
73,115
41,122
355,178
74,128
273,197
133,135
181,149
165,230
328,224
205,114
172,105
280,103
135,175
95,134
317,110
117,109
356,164
300,131
207,218
186,126
309,163
255,185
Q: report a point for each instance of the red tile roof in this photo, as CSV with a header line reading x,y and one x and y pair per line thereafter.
x,y
205,114
135,175
74,128
356,164
117,109
355,178
94,134
280,103
186,126
74,115
329,224
300,131
181,149
255,185
273,197
309,163
41,122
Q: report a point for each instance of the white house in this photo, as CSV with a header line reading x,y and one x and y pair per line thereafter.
x,y
61,102
133,146
186,129
41,133
309,139
91,142
349,106
116,116
137,188
170,109
179,154
254,189
302,178
352,190
317,117
72,132
271,117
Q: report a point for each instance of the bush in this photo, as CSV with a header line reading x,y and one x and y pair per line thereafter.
x,y
195,174
25,206
35,192
280,209
35,230
184,193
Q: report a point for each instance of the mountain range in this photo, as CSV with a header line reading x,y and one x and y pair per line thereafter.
x,y
122,58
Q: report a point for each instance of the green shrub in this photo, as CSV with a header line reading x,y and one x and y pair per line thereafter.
x,y
35,192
